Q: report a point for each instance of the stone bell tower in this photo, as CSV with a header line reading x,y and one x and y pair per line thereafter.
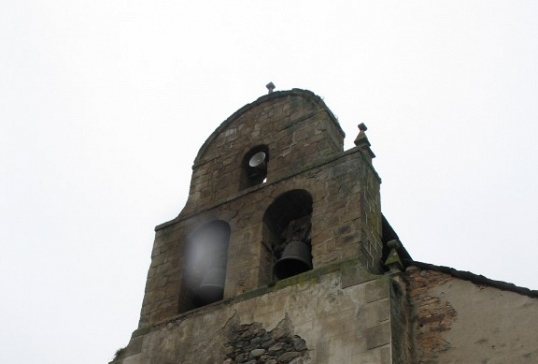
x,y
280,254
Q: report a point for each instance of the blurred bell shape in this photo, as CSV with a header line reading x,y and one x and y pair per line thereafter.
x,y
257,160
212,287
296,259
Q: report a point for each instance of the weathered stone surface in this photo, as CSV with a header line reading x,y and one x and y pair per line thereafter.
x,y
276,347
355,275
344,310
299,344
241,357
378,336
281,336
377,290
294,318
458,321
305,149
229,350
257,352
287,357
332,194
268,344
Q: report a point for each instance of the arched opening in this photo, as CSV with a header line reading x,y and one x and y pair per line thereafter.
x,y
254,166
205,260
287,236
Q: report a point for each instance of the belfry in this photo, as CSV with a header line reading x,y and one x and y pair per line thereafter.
x,y
282,254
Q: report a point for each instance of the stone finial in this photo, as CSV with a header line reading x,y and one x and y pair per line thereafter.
x,y
393,261
270,86
362,141
394,244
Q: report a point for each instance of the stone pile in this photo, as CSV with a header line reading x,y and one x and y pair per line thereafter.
x,y
251,344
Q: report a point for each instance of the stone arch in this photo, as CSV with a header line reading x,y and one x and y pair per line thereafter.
x,y
254,166
287,219
204,271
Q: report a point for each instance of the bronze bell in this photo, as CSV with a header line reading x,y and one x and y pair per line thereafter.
x,y
212,287
296,259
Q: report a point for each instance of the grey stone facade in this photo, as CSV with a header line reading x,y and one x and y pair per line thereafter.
x,y
275,173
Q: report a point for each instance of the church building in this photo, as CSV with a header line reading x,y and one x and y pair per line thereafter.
x,y
282,254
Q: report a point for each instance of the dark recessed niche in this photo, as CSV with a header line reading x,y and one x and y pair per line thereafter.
x,y
254,166
204,273
286,236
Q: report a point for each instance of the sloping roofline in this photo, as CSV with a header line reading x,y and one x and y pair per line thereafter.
x,y
274,95
474,278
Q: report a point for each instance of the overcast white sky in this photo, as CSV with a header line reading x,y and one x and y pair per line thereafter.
x,y
104,105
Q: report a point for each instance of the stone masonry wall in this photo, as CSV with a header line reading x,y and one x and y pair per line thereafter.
x,y
370,205
305,148
337,233
297,130
457,321
337,314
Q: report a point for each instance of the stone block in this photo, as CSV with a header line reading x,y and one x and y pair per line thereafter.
x,y
378,289
349,322
134,359
378,336
373,314
354,275
386,356
134,347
